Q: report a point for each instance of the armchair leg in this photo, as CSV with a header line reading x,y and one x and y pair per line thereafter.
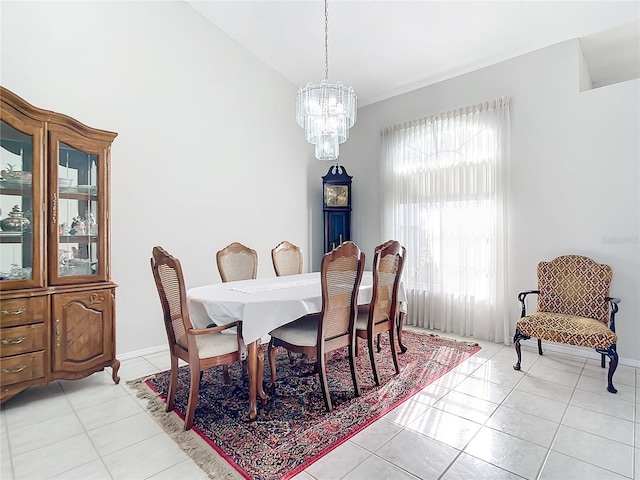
x,y
613,364
194,386
602,360
173,383
516,342
539,347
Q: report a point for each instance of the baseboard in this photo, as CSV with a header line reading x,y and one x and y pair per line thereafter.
x,y
143,352
160,348
532,345
528,344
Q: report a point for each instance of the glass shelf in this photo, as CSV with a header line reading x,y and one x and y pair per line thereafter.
x,y
16,201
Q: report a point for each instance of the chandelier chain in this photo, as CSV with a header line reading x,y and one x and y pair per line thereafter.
x,y
326,40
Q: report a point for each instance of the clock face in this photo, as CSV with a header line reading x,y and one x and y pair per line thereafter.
x,y
336,195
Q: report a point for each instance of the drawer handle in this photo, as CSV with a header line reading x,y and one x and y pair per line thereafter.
x,y
8,341
19,311
17,370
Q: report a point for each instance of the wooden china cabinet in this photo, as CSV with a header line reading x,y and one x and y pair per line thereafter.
x,y
57,300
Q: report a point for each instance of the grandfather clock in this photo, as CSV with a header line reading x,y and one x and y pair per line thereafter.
x,y
336,187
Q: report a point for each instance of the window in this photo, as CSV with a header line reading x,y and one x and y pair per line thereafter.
x,y
444,184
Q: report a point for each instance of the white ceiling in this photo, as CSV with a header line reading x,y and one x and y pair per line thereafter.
x,y
385,48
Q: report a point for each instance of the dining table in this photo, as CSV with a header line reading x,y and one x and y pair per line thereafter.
x,y
264,304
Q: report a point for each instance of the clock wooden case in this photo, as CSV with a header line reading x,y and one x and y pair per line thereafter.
x,y
57,300
336,195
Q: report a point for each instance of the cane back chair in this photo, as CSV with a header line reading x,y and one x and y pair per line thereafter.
x,y
333,328
574,308
382,314
200,348
237,262
287,259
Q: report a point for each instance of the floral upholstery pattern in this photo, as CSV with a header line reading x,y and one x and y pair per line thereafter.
x,y
568,329
574,285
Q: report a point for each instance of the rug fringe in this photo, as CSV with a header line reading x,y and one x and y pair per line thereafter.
x,y
191,443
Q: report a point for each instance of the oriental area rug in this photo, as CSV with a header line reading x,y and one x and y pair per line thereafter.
x,y
293,429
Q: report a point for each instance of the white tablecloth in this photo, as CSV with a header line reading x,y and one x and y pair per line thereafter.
x,y
264,304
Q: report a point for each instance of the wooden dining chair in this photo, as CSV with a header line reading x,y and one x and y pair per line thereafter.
x,y
287,259
200,348
382,314
333,328
237,262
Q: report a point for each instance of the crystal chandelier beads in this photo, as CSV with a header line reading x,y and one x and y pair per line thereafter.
x,y
326,111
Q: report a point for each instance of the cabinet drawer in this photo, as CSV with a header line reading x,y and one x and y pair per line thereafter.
x,y
21,311
21,368
28,338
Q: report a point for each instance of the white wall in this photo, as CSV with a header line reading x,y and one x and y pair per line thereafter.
x,y
574,169
208,151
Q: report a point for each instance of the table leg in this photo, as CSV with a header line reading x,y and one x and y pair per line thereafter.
x,y
260,375
255,359
400,322
252,360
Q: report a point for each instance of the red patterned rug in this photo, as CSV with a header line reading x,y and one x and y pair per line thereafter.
x,y
294,430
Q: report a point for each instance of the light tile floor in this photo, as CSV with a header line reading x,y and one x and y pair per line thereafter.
x,y
553,420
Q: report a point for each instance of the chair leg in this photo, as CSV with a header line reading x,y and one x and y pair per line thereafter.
x,y
539,347
173,383
394,351
322,372
193,396
225,374
516,342
352,364
602,355
613,364
372,358
290,355
271,351
378,347
403,348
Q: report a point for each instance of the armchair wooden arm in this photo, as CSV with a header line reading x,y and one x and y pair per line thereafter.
x,y
521,298
215,329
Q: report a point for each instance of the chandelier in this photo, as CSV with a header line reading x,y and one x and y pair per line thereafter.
x,y
326,110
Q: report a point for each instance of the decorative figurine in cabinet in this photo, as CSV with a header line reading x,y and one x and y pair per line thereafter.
x,y
57,300
336,205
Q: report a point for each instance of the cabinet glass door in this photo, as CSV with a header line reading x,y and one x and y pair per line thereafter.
x,y
77,211
20,203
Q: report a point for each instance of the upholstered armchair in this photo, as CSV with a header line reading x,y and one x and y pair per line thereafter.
x,y
334,327
574,308
200,348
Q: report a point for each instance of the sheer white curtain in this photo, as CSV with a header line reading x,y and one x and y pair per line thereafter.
x,y
444,189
